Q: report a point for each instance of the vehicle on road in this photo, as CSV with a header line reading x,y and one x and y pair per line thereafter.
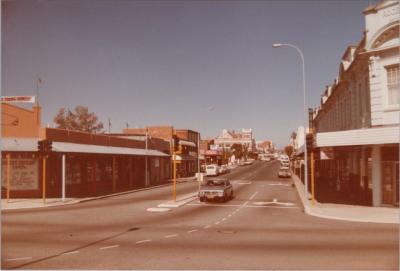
x,y
216,189
212,170
224,169
284,172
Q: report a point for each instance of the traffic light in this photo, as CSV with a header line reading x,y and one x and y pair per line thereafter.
x,y
41,146
44,146
176,143
309,141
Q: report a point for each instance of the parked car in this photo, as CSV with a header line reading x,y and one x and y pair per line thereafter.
x,y
224,169
284,172
212,170
216,188
249,162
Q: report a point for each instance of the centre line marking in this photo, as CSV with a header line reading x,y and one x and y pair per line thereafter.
x,y
18,259
171,236
192,231
143,241
208,226
252,196
113,246
71,252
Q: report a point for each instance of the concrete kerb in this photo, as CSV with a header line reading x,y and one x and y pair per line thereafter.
x,y
317,210
75,201
180,201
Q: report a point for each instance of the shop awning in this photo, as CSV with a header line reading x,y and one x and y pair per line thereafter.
x,y
185,158
187,143
85,148
19,144
369,136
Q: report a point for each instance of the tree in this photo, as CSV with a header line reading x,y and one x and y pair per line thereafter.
x,y
79,120
237,150
289,150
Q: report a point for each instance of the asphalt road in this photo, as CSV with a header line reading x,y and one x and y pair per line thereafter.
x,y
263,227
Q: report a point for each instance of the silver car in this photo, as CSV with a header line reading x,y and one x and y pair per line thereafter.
x,y
215,189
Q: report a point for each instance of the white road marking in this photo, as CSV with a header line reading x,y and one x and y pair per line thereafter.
x,y
229,215
208,226
245,183
224,219
143,241
274,200
171,236
158,209
244,204
113,246
248,206
192,231
216,223
19,259
252,196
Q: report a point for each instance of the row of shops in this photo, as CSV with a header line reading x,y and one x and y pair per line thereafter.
x,y
82,165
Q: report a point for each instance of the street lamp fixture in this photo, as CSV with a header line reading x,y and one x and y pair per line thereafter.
x,y
305,112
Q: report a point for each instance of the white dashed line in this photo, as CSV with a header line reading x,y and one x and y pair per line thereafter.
x,y
71,252
171,236
208,226
216,223
252,196
143,241
191,231
114,246
18,259
224,219
229,215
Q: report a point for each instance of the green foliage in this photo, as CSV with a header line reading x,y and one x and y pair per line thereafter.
x,y
289,150
79,120
237,150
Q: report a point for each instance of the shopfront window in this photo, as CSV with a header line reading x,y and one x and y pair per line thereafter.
x,y
393,84
73,172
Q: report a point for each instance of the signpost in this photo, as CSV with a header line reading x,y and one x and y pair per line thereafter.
x,y
18,99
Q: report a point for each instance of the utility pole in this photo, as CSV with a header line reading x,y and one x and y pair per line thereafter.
x,y
146,165
109,125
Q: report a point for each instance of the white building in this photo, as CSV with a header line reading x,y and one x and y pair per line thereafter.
x,y
358,120
227,138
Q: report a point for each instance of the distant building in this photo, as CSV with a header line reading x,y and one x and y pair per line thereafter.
x,y
357,123
188,160
227,138
264,146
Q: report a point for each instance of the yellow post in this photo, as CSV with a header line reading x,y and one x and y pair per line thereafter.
x,y
113,175
44,180
8,176
312,177
174,174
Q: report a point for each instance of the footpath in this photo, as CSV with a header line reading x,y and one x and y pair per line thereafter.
x,y
346,212
14,204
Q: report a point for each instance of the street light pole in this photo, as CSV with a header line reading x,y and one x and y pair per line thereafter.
x,y
305,112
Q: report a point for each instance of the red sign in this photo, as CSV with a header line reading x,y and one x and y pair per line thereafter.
x,y
18,99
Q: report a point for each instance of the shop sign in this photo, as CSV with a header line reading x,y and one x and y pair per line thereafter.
x,y
23,174
18,99
326,153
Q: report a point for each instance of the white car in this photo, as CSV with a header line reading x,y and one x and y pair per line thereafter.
x,y
212,170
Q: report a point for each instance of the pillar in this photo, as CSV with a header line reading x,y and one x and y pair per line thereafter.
x,y
376,176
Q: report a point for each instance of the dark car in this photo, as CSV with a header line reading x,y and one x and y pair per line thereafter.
x,y
216,189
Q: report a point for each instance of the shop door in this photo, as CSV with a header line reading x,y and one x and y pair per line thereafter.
x,y
390,183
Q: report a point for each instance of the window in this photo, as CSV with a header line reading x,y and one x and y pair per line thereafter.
x,y
393,84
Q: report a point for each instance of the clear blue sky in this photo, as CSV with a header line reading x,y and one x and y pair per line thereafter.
x,y
203,65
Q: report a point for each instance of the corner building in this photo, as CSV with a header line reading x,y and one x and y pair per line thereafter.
x,y
357,123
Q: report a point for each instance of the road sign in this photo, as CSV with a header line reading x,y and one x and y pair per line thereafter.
x,y
18,99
